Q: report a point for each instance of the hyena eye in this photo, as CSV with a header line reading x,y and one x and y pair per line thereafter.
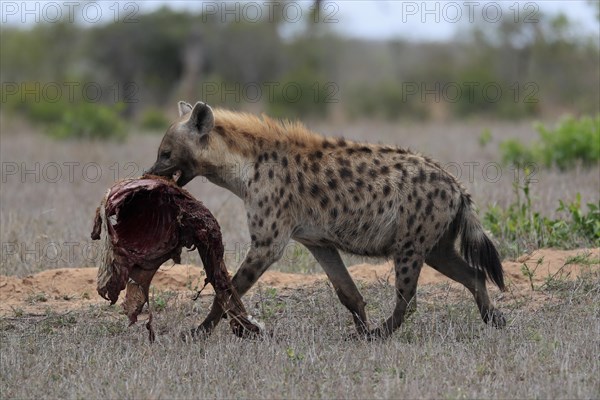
x,y
165,155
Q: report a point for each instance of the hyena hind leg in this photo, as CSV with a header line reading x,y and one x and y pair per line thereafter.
x,y
446,260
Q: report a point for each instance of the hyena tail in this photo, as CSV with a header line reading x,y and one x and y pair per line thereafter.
x,y
475,246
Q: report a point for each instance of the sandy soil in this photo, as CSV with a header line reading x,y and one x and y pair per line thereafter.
x,y
66,289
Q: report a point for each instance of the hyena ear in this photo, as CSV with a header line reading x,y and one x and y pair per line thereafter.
x,y
202,120
184,108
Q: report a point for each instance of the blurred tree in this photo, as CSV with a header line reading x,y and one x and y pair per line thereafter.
x,y
544,62
47,52
193,60
167,55
146,56
247,52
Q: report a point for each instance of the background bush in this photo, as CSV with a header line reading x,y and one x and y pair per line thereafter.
x,y
153,119
90,121
520,228
572,141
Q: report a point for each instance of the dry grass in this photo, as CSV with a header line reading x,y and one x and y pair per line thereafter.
x,y
47,224
443,351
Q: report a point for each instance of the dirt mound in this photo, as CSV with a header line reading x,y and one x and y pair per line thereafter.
x,y
543,264
73,288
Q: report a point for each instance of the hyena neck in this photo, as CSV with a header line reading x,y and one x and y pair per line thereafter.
x,y
239,140
226,168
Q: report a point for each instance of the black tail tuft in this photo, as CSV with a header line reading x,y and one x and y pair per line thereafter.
x,y
477,249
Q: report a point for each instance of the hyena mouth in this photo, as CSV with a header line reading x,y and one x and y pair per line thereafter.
x,y
176,175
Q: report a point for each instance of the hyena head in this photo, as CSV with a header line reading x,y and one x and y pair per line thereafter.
x,y
185,150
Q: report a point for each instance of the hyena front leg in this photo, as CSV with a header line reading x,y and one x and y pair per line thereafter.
x,y
407,266
345,288
259,258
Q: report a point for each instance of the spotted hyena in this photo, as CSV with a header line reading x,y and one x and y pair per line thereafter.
x,y
332,194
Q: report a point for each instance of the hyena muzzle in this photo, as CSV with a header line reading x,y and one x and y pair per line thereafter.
x,y
330,194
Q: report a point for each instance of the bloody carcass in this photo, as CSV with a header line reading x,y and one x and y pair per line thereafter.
x,y
144,222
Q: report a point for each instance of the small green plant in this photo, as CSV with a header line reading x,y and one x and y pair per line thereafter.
x,y
521,228
159,303
293,356
192,284
272,304
572,141
559,280
556,281
585,224
530,273
518,225
153,119
37,298
582,259
485,137
17,311
159,300
271,292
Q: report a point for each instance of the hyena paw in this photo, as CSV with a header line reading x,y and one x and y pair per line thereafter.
x,y
496,318
369,336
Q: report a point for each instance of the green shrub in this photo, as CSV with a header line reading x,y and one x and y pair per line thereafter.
x,y
586,225
67,119
572,141
521,228
516,153
154,119
46,112
30,102
90,120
